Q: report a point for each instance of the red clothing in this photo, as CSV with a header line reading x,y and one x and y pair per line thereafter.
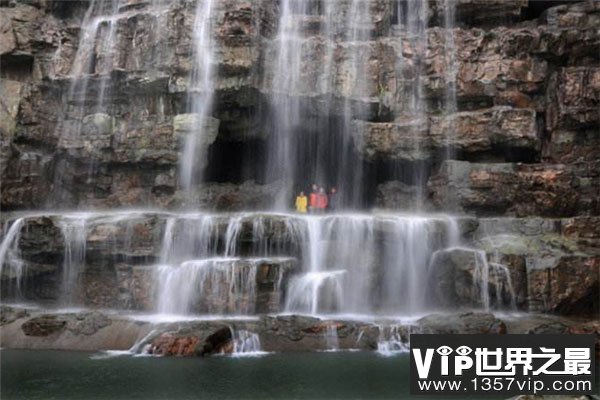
x,y
313,200
322,201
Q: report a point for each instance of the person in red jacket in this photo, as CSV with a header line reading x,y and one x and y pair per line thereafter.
x,y
313,199
322,200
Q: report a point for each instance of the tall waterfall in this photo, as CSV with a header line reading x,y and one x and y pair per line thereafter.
x,y
200,96
313,147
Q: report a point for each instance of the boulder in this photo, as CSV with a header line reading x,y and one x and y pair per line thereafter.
x,y
467,323
44,325
168,344
463,278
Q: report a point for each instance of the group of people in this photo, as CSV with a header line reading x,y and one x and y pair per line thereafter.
x,y
318,201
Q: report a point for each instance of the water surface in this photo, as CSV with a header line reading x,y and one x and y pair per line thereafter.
x,y
78,375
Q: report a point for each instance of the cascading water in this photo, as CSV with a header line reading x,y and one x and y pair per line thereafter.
x,y
347,256
222,285
450,106
10,254
314,147
390,341
200,97
74,235
331,338
346,263
412,105
245,343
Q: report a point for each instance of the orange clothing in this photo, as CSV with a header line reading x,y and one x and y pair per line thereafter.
x,y
313,199
322,201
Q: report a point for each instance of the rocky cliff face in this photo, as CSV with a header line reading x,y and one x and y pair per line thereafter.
x,y
100,121
95,109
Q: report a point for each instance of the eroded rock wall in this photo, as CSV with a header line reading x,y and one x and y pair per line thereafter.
x,y
526,88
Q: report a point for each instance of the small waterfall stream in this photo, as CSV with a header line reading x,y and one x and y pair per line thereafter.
x,y
10,253
245,344
75,235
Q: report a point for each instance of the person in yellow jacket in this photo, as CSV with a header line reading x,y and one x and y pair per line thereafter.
x,y
301,203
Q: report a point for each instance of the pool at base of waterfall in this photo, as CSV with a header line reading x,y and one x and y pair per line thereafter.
x,y
77,375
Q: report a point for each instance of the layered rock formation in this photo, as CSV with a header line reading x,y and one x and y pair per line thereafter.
x,y
494,113
99,121
97,331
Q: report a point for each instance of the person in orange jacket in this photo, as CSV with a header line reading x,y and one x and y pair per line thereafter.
x,y
312,200
322,200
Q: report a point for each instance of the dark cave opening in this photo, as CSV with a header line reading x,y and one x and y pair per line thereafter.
x,y
16,67
536,9
236,161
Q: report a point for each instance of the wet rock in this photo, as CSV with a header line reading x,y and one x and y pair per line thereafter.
x,y
87,323
469,132
44,325
468,323
585,231
231,197
566,285
587,328
462,277
548,328
10,314
517,189
574,97
218,342
168,344
396,195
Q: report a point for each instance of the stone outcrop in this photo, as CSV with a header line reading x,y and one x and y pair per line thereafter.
x,y
43,330
552,265
526,90
461,277
468,132
549,190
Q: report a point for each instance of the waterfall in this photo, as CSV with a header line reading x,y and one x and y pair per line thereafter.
x,y
331,337
74,234
314,147
503,283
357,263
451,73
482,278
407,255
200,96
86,121
316,292
220,285
245,343
10,254
390,341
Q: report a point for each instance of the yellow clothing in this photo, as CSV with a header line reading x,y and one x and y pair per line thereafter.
x,y
301,204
